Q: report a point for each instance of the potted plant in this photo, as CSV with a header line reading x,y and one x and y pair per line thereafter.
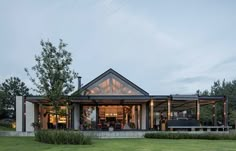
x,y
86,126
111,128
35,125
132,125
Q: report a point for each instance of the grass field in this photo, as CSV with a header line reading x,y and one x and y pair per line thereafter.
x,y
28,144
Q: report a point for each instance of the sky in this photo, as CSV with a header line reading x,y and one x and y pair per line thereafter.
x,y
165,47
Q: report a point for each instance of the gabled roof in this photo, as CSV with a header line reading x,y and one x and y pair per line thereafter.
x,y
118,78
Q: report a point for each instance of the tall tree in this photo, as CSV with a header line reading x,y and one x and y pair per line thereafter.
x,y
11,88
2,106
227,88
54,77
206,111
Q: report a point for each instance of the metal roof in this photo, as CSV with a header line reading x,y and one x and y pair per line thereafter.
x,y
176,98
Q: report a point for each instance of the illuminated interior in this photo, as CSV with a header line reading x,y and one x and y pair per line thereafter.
x,y
47,117
111,85
115,116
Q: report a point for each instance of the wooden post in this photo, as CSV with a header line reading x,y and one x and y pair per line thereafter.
x,y
151,113
147,116
97,117
224,114
168,109
198,109
214,113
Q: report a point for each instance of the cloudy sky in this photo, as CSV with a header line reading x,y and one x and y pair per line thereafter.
x,y
165,47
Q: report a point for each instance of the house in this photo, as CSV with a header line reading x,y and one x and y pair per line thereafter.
x,y
112,102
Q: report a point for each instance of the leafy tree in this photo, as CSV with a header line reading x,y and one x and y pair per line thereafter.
x,y
11,88
227,88
2,108
54,77
205,111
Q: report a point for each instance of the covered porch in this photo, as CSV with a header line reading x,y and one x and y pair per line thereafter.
x,y
110,112
183,112
116,113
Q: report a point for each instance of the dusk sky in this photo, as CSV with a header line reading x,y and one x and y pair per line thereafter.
x,y
165,47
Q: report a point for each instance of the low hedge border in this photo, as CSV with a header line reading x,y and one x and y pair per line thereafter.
x,y
62,137
208,136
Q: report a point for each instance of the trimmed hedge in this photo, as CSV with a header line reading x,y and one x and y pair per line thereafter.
x,y
62,137
209,136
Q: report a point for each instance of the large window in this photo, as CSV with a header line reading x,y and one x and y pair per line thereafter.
x,y
119,117
47,117
111,85
115,117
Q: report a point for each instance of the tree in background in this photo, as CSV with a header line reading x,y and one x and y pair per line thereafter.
x,y
228,89
11,88
2,106
206,111
54,77
222,88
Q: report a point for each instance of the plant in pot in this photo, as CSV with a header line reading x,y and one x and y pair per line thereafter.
x,y
132,125
86,126
35,125
111,128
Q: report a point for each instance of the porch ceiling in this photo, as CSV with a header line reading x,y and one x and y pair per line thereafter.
x,y
181,105
110,101
179,102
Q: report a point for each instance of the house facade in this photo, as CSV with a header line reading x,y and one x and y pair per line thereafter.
x,y
112,102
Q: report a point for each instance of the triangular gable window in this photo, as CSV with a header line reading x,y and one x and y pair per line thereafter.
x,y
111,85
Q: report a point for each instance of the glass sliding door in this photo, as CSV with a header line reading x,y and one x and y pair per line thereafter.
x,y
47,117
115,117
119,117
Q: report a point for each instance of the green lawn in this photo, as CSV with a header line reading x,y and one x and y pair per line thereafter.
x,y
28,144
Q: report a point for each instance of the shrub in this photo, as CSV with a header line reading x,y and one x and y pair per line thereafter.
x,y
62,137
209,136
8,125
131,125
36,125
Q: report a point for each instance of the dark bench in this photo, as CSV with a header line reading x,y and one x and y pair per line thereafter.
x,y
183,122
201,128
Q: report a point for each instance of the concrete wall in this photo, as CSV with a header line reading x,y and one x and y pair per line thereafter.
x,y
140,134
144,116
30,116
115,134
19,113
76,117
